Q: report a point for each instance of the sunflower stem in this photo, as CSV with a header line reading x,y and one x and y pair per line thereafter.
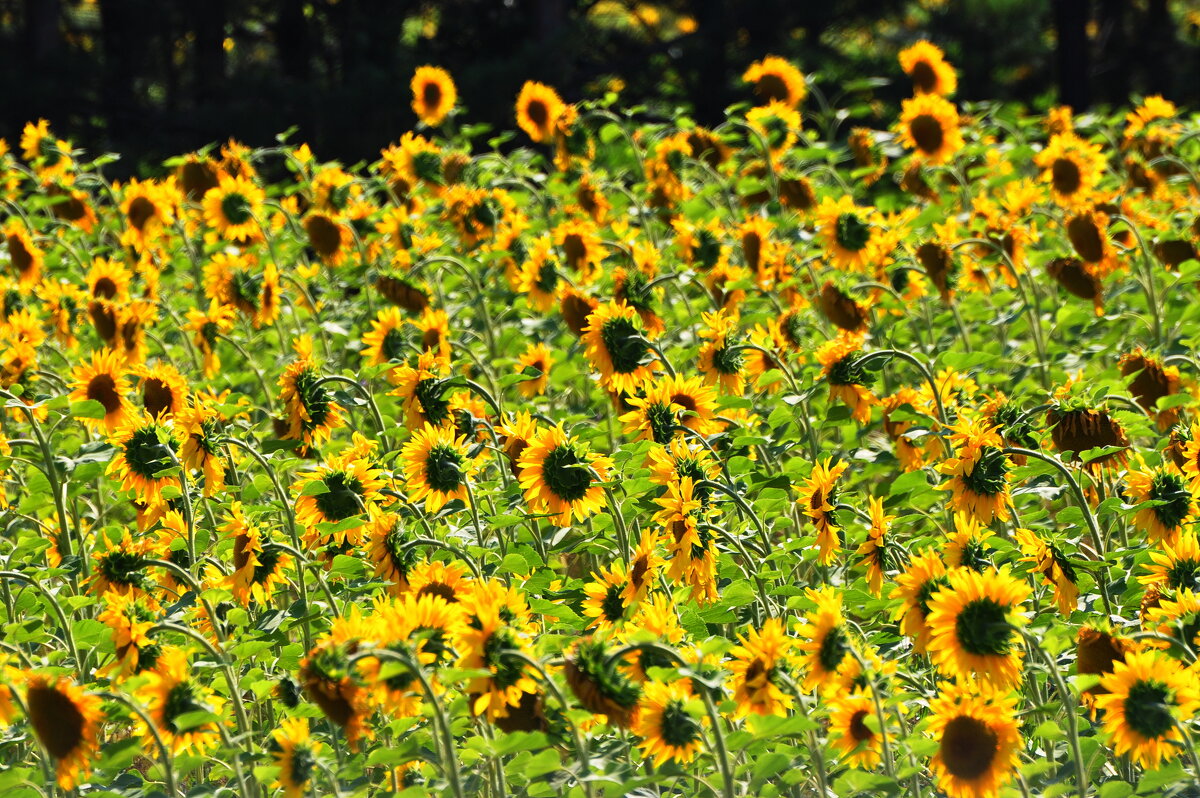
x,y
163,751
366,394
1071,709
58,610
226,668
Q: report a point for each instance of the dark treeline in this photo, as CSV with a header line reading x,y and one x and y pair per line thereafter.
x,y
158,77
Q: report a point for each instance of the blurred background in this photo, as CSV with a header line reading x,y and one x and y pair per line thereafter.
x,y
153,78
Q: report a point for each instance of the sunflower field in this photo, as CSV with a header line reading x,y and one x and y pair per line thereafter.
x,y
610,456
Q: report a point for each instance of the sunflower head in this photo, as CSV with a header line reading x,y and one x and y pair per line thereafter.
x,y
434,94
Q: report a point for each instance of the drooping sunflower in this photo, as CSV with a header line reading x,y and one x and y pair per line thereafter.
x,y
67,722
434,94
776,80
761,657
437,466
974,623
420,385
1174,502
929,127
145,458
856,742
979,742
231,208
130,617
581,246
616,347
534,363
170,692
817,498
600,685
562,477
1055,568
978,476
915,586
926,65
1077,428
671,730
330,681
538,109
1072,166
1149,695
1098,648
103,380
824,639
296,754
847,380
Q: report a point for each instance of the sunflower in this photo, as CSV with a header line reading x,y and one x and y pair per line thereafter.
x,y
539,278
103,380
238,280
847,380
434,328
599,685
434,94
1149,696
295,753
825,639
857,742
776,80
668,406
66,303
777,124
969,544
384,342
437,466
925,576
24,256
1170,496
926,65
329,681
421,388
1071,166
393,559
974,626
164,390
346,488
616,347
656,619
581,247
257,565
206,326
634,287
683,458
874,549
148,208
671,729
851,234
1055,568
534,365
171,692
67,722
1151,381
488,643
978,476
130,618
691,542
929,127
330,237
606,599
817,499
721,355
230,208
1176,566
311,410
759,663
1097,650
1076,428
979,743
202,428
562,477
145,458
538,109
447,580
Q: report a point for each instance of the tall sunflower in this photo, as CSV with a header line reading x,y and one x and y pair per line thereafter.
x,y
671,404
721,355
534,364
1054,566
434,94
257,565
562,477
974,626
488,643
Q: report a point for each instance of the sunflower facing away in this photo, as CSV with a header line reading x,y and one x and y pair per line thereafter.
x,y
825,639
171,692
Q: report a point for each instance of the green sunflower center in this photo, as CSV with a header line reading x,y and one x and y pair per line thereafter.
x,y
852,232
181,699
988,478
443,468
1148,709
433,641
662,422
834,648
636,291
427,166
707,250
235,208
566,473
1184,574
246,287
343,498
728,359
613,606
975,556
268,561
927,590
547,277
122,567
1177,500
506,671
146,454
982,628
314,397
624,344
303,763
679,729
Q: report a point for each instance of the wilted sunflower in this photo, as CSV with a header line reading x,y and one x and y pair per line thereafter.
x,y
67,723
295,753
670,729
925,576
534,364
232,206
146,457
978,476
562,477
170,692
437,466
103,380
824,639
974,626
759,661
1152,380
434,94
979,742
1173,504
1149,696
617,348
926,65
776,80
538,109
817,499
329,681
847,380
929,127
1076,428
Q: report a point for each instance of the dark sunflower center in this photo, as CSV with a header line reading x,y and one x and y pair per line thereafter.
x,y
613,606
547,277
103,389
140,211
439,589
679,729
1065,176
432,638
969,747
852,232
235,208
433,406
1148,709
343,498
988,476
181,699
323,234
538,113
924,76
859,731
303,763
624,344
268,561
574,249
158,397
927,132
772,86
431,95
566,474
57,721
1085,236
927,590
146,455
834,649
104,288
1177,500
982,628
443,468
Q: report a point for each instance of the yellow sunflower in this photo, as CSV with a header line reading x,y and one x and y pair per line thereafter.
x,y
606,598
230,208
172,691
130,618
926,65
616,347
925,576
296,754
67,722
979,742
847,380
929,127
855,741
437,466
1072,167
1176,566
145,458
874,549
824,639
670,723
346,488
758,661
485,642
420,385
434,94
1174,502
722,359
164,390
1149,696
817,499
669,404
311,410
538,109
776,80
534,364
257,565
206,326
978,475
777,124
974,626
103,380
562,477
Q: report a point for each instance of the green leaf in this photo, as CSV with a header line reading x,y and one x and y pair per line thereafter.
x,y
88,408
